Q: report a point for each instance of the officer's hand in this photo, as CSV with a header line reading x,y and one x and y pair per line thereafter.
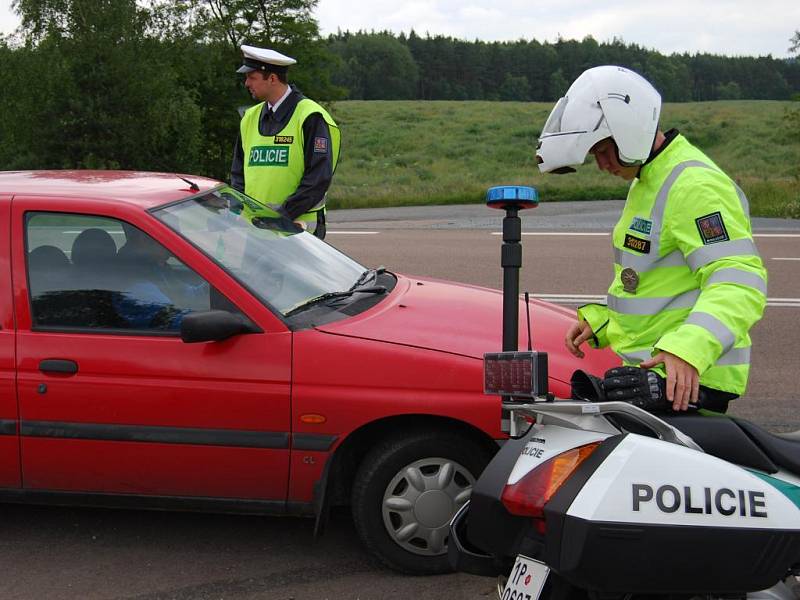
x,y
577,335
301,224
683,380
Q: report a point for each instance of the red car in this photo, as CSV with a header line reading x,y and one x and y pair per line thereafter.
x,y
168,342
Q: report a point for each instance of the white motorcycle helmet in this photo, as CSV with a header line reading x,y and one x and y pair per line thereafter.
x,y
603,102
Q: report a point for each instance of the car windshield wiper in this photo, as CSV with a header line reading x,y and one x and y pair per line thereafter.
x,y
368,274
330,295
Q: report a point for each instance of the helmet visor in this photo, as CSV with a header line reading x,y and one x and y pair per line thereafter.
x,y
553,124
560,150
561,147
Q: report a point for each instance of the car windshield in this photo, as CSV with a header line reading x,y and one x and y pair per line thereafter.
x,y
278,261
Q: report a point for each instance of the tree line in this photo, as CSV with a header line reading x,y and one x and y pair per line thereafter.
x,y
122,84
385,66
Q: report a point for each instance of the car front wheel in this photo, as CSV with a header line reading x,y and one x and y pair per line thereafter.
x,y
405,493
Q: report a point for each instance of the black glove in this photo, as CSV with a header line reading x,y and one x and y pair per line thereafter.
x,y
637,386
587,387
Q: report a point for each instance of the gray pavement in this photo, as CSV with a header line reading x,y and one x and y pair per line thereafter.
x,y
589,215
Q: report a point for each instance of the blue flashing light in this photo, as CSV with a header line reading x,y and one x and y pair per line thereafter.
x,y
512,196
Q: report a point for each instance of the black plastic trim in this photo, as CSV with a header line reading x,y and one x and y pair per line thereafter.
x,y
555,510
321,497
610,557
131,501
158,435
104,331
8,427
58,365
490,528
465,558
313,441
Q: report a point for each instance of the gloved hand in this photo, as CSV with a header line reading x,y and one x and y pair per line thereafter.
x,y
586,386
640,387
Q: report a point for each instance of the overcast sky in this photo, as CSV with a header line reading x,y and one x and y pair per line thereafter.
x,y
731,27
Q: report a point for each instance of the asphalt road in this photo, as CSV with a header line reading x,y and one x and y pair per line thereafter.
x,y
88,554
567,253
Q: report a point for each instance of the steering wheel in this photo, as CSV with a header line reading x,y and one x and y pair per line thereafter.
x,y
269,279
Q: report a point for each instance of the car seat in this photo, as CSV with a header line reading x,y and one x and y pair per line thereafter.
x,y
48,269
94,280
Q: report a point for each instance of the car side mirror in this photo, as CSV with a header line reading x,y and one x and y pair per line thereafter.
x,y
214,326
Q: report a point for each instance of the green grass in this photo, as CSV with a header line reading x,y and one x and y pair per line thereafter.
x,y
411,152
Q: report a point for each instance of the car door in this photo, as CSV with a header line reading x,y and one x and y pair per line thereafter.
x,y
111,400
9,440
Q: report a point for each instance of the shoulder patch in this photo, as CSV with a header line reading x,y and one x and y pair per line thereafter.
x,y
712,228
641,225
321,145
637,244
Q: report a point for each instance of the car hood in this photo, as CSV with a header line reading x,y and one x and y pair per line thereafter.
x,y
466,320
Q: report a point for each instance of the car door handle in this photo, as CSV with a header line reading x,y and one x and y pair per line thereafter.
x,y
58,365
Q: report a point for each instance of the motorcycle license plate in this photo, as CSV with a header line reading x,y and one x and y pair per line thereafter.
x,y
526,580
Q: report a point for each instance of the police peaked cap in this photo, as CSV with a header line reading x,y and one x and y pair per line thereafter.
x,y
267,61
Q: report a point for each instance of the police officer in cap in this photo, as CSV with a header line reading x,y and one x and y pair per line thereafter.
x,y
288,145
688,280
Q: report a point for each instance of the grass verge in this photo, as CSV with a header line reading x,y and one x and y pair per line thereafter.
x,y
401,153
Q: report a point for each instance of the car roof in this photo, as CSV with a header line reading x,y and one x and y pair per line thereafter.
x,y
137,187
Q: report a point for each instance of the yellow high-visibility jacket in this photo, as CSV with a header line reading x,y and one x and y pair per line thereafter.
x,y
688,278
274,164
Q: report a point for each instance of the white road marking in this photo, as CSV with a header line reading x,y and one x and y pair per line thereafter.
x,y
606,234
784,258
777,235
329,231
558,233
588,298
334,232
557,297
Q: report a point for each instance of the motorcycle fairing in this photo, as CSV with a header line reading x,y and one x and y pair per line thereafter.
x,y
662,483
611,536
543,443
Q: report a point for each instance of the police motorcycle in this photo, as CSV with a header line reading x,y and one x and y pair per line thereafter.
x,y
614,499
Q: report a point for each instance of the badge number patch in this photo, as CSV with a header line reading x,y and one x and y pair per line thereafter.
x,y
284,139
642,225
712,228
269,156
637,244
320,145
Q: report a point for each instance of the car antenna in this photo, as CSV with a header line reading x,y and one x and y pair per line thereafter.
x,y
528,315
192,185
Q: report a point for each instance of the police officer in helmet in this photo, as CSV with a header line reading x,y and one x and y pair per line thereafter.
x,y
688,280
288,145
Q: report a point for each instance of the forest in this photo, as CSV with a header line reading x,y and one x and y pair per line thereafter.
x,y
152,86
384,66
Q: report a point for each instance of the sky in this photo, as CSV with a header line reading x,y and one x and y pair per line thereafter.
x,y
730,27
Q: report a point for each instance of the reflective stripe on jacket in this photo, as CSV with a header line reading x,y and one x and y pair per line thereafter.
x,y
700,284
274,164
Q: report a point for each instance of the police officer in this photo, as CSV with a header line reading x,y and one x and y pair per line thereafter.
x,y
288,145
688,281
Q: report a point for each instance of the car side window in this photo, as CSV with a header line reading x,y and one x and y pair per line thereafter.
x,y
90,272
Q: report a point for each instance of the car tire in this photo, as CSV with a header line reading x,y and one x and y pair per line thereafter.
x,y
405,493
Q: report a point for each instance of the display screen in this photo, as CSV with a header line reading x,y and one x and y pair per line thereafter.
x,y
515,373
